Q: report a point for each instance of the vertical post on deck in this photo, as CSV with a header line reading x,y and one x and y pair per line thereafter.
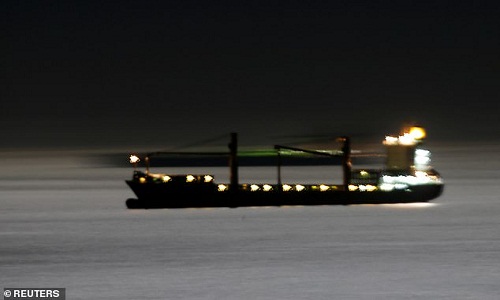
x,y
346,161
146,161
233,162
278,165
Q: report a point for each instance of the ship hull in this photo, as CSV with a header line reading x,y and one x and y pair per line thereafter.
x,y
158,196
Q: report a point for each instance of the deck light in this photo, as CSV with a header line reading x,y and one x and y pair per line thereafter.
x,y
390,140
324,188
353,188
400,186
387,187
286,187
142,180
299,187
267,187
190,178
254,187
134,159
406,139
208,178
166,178
371,188
222,187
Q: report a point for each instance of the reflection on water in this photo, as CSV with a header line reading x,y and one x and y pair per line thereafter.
x,y
411,205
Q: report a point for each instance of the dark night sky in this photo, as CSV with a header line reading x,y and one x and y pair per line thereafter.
x,y
107,73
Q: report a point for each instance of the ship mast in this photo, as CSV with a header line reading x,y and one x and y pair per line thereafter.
x,y
346,160
233,162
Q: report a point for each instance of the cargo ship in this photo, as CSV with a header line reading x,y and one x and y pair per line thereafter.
x,y
407,177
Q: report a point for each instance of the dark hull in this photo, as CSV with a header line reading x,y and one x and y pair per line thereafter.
x,y
156,196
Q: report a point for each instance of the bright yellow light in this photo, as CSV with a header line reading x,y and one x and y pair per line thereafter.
x,y
299,187
267,187
420,174
134,159
286,187
371,188
353,187
221,187
324,188
190,178
411,136
363,173
390,140
166,178
418,132
254,187
142,180
208,178
407,139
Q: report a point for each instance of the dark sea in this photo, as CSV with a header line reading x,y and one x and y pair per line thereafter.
x,y
64,224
